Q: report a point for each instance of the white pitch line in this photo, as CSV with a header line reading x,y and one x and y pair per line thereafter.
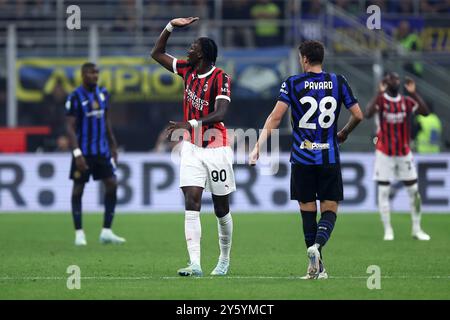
x,y
211,277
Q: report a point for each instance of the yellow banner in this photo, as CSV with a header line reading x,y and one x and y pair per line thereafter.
x,y
126,78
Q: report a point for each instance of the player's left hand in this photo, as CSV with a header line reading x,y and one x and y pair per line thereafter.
x,y
114,154
254,155
183,22
410,85
342,136
177,125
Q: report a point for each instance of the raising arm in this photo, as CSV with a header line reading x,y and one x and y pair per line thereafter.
x,y
159,50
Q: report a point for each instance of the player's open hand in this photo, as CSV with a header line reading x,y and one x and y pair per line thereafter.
x,y
254,155
177,125
81,164
183,22
410,85
114,154
342,136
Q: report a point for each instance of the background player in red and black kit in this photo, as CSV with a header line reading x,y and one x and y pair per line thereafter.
x,y
393,159
206,157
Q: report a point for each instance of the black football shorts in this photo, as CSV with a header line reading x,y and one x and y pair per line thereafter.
x,y
99,167
316,182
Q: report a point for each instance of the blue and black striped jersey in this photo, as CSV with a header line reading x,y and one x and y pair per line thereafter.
x,y
89,109
315,101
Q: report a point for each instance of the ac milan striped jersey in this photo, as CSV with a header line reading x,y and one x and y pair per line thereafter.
x,y
315,101
394,123
200,94
89,107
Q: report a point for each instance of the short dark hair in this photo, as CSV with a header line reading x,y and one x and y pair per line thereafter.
x,y
86,66
313,50
390,74
209,49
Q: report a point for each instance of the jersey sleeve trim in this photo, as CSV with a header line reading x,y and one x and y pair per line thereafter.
x,y
174,65
223,97
283,99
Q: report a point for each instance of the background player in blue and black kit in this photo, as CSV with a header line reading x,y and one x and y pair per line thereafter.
x,y
94,149
315,99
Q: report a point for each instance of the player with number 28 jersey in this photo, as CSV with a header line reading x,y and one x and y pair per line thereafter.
x,y
315,100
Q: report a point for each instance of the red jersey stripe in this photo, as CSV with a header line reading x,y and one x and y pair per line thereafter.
x,y
394,114
199,100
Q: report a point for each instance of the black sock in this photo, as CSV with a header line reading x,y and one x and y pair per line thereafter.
x,y
325,227
110,205
309,219
76,211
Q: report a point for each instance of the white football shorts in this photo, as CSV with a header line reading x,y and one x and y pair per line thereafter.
x,y
209,168
388,168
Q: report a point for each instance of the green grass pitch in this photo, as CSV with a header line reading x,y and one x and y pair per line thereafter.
x,y
268,257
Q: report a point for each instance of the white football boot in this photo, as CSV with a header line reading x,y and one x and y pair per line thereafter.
x,y
80,238
388,234
107,236
314,263
420,235
192,270
310,275
222,268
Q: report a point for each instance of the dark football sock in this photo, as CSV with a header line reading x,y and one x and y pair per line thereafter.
x,y
76,211
110,205
325,227
309,219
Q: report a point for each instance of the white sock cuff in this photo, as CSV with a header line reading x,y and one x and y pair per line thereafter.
x,y
189,214
225,219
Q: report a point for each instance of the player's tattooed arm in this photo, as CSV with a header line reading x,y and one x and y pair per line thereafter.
x,y
159,50
371,108
111,138
71,122
355,118
273,122
410,86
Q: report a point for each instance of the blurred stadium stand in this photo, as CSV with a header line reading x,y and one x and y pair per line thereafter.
x,y
257,45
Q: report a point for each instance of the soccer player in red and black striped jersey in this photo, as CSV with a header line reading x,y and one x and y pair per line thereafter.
x,y
393,158
206,157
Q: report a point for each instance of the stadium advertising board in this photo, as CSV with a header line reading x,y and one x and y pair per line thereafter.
x,y
149,183
129,79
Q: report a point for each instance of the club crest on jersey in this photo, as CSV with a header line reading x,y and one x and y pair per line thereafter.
x,y
95,105
205,87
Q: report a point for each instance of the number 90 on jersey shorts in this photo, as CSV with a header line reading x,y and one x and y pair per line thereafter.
x,y
209,168
393,167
